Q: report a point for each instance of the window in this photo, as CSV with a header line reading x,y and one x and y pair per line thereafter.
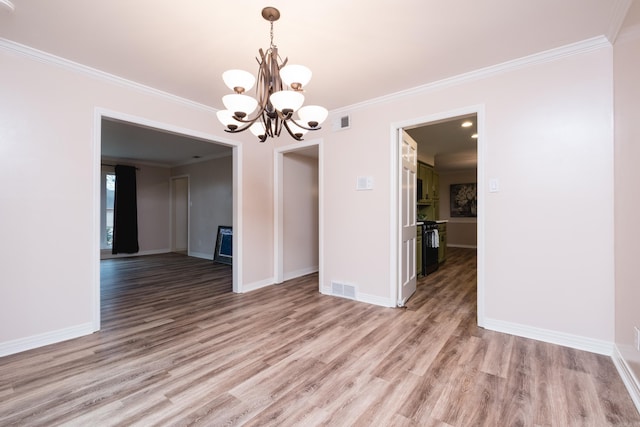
x,y
107,197
110,187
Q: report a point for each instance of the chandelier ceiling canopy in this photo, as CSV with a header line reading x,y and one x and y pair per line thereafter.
x,y
278,95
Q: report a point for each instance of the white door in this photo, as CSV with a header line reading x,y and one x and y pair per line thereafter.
x,y
408,153
180,213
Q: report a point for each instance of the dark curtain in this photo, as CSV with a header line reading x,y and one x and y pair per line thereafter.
x,y
125,212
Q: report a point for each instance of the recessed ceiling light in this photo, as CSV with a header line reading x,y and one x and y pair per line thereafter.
x,y
467,124
474,136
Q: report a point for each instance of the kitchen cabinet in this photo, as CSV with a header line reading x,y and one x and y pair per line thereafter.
x,y
442,244
423,172
428,201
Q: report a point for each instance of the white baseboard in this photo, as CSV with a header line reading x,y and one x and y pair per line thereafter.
x,y
628,378
248,287
299,273
23,344
201,255
366,298
106,254
553,337
376,300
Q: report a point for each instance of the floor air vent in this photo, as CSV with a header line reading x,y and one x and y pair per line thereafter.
x,y
343,290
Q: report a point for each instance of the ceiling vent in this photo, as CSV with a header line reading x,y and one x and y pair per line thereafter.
x,y
341,123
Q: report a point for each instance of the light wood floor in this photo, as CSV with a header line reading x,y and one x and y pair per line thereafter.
x,y
177,348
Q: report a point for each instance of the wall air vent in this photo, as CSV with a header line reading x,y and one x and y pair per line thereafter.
x,y
343,290
341,123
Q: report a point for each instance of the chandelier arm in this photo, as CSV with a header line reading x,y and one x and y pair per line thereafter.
x,y
297,138
304,127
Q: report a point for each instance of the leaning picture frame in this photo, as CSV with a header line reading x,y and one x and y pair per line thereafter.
x,y
223,252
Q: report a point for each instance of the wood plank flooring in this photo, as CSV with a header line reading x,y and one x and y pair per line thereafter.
x,y
178,348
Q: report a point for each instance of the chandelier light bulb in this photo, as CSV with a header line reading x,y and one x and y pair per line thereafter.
x,y
240,105
238,81
287,101
312,115
295,76
226,118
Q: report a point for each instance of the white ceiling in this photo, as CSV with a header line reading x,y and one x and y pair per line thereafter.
x,y
357,49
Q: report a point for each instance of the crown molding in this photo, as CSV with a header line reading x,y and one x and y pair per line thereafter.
x,y
584,46
620,11
628,34
48,58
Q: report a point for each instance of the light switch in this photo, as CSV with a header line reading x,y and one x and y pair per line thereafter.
x,y
494,185
364,183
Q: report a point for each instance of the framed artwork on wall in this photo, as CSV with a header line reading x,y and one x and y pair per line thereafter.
x,y
463,200
223,251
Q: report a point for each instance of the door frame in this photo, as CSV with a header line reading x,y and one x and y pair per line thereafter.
x,y
103,113
395,231
172,223
278,207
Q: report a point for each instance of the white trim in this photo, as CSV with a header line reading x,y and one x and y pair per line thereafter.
x,y
628,378
48,58
106,253
482,73
376,300
479,111
52,337
481,261
621,7
102,113
395,234
96,206
201,255
248,287
554,337
237,237
278,214
628,34
299,273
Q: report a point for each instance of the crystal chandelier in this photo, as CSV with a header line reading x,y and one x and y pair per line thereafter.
x,y
278,96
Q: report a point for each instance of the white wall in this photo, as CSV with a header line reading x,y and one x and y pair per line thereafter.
x,y
49,122
300,215
627,194
211,192
461,232
548,138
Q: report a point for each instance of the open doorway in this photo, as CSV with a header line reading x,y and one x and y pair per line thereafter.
x,y
297,201
450,147
161,152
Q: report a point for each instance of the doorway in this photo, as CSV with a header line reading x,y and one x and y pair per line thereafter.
x,y
443,151
298,211
184,142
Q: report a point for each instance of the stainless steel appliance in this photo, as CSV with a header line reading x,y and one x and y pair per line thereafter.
x,y
430,243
